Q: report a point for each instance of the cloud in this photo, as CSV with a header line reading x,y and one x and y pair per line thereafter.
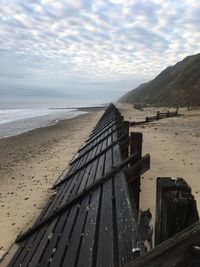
x,y
51,42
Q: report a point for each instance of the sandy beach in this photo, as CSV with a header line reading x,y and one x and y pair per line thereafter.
x,y
174,147
30,164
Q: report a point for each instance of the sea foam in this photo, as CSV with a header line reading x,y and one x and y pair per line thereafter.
x,y
17,121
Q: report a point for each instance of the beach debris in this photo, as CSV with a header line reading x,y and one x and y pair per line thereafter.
x,y
53,250
135,249
50,236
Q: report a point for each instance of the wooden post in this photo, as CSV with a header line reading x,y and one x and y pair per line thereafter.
x,y
175,208
168,113
158,115
147,119
125,130
136,147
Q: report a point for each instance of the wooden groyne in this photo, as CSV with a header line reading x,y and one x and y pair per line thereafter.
x,y
92,217
90,220
159,115
177,227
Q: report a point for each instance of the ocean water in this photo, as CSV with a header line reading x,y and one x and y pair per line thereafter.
x,y
17,121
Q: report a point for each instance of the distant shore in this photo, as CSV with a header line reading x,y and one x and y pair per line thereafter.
x,y
30,163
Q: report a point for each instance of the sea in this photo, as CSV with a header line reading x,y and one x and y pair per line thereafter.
x,y
16,121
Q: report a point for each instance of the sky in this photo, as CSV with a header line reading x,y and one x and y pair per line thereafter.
x,y
64,52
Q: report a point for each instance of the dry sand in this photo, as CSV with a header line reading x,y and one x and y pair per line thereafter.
x,y
174,147
30,164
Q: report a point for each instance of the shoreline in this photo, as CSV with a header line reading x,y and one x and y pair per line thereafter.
x,y
30,164
17,127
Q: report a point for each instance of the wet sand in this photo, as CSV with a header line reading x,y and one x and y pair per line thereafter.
x,y
30,164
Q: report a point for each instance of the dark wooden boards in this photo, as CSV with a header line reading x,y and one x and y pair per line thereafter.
x,y
175,208
90,220
158,116
182,250
135,147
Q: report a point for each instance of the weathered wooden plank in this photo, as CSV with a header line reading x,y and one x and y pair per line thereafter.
x,y
49,245
119,140
97,141
105,250
136,143
25,250
138,168
92,174
71,255
182,250
111,132
84,148
175,208
64,240
77,170
125,131
78,179
106,125
57,232
63,190
125,214
89,241
39,245
96,155
78,186
86,251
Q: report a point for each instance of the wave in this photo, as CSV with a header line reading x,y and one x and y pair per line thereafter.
x,y
10,115
17,121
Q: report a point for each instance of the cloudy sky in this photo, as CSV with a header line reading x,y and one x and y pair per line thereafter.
x,y
75,50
